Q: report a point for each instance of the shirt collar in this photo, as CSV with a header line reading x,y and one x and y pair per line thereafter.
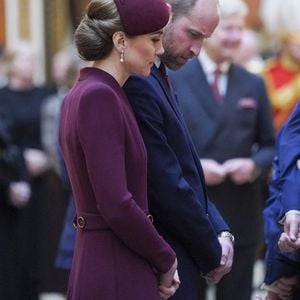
x,y
157,62
209,66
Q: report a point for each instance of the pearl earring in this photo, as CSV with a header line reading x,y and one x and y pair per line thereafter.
x,y
122,56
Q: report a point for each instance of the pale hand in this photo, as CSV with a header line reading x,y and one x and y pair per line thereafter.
x,y
285,288
286,244
292,225
167,292
266,295
36,161
19,193
214,172
281,289
216,275
169,282
240,170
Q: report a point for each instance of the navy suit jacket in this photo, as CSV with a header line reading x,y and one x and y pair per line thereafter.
x,y
284,196
177,195
239,128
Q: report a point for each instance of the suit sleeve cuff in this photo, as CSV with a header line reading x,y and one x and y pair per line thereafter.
x,y
293,211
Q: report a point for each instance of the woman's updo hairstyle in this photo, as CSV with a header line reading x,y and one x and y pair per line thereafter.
x,y
93,36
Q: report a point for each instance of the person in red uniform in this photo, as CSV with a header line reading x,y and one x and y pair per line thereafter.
x,y
282,72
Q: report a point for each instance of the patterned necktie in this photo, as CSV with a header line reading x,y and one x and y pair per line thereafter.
x,y
215,85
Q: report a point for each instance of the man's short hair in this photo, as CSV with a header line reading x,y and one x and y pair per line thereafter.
x,y
181,7
229,8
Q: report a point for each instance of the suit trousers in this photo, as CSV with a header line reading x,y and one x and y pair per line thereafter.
x,y
238,283
188,273
297,294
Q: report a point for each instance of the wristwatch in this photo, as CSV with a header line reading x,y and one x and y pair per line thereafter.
x,y
228,235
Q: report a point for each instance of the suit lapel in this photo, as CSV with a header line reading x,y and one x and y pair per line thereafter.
x,y
235,90
205,101
171,97
203,91
169,93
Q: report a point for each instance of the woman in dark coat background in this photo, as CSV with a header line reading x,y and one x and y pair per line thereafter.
x,y
21,100
118,252
14,195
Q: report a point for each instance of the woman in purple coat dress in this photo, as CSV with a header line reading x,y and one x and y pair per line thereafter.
x,y
118,253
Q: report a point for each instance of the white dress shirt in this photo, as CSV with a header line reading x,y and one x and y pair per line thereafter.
x,y
209,68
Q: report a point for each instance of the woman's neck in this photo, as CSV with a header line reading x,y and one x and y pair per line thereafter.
x,y
114,67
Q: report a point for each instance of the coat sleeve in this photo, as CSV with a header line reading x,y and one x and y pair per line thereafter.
x,y
174,203
284,196
288,154
101,133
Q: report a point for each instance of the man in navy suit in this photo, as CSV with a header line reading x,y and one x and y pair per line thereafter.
x,y
176,188
282,214
229,117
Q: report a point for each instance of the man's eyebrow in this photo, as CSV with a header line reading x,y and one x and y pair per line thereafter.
x,y
197,33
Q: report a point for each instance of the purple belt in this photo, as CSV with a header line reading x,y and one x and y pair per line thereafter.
x,y
87,221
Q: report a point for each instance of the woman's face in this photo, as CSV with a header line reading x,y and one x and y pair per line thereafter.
x,y
140,54
22,65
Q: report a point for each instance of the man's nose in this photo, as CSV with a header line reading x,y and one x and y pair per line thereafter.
x,y
196,47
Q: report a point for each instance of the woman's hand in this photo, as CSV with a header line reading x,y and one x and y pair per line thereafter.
x,y
19,193
166,292
36,161
169,282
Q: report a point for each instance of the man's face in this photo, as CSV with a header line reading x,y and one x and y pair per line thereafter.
x,y
183,37
226,39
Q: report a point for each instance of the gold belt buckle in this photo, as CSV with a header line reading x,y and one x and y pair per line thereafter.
x,y
79,222
150,217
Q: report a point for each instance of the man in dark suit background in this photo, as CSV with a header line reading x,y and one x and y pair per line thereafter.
x,y
229,117
177,194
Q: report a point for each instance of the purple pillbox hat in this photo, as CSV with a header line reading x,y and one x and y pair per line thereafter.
x,y
142,16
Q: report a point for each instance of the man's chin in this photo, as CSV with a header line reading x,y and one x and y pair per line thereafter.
x,y
182,60
174,65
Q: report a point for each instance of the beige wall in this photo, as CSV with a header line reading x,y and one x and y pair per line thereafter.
x,y
2,23
45,24
253,18
49,24
58,33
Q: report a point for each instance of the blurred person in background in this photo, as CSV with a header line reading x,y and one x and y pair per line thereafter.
x,y
53,281
15,193
64,71
282,72
21,100
229,116
248,54
3,77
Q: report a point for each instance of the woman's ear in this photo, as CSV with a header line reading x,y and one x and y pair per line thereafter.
x,y
119,40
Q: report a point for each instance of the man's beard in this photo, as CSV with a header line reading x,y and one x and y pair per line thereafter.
x,y
168,57
170,61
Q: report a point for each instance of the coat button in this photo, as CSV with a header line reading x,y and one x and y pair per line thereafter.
x,y
150,217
